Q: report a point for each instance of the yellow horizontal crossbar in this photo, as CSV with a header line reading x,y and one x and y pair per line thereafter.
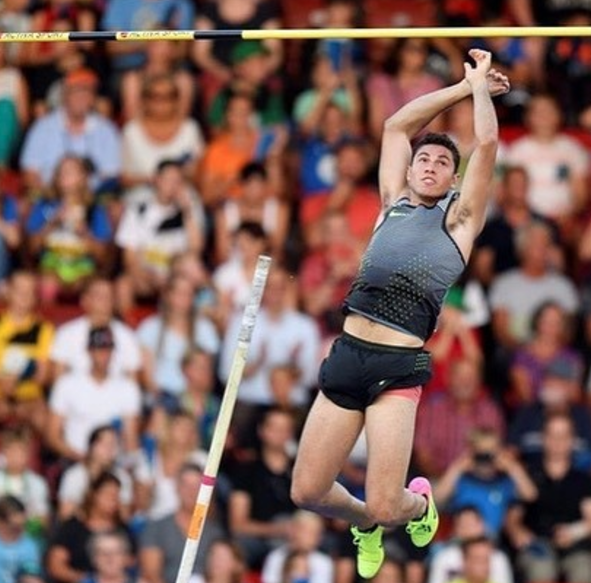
x,y
299,33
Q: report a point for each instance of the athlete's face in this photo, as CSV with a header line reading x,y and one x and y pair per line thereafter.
x,y
431,173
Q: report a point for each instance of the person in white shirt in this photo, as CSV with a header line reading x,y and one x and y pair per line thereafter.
x,y
69,351
82,401
447,561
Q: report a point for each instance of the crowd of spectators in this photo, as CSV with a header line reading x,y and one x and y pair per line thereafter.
x,y
140,181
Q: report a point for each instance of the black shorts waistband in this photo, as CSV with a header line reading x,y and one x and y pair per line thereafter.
x,y
381,347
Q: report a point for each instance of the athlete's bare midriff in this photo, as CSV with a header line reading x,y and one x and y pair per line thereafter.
x,y
370,331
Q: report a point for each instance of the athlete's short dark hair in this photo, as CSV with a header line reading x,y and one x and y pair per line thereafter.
x,y
437,139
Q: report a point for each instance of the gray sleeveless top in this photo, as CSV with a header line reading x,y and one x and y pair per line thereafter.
x,y
410,263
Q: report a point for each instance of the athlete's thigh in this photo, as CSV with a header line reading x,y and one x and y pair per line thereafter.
x,y
330,432
389,428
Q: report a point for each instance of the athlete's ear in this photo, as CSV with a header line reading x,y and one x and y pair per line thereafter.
x,y
455,180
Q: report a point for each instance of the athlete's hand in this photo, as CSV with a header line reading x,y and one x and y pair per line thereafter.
x,y
477,73
498,84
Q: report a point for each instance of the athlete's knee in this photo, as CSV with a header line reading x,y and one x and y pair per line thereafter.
x,y
305,494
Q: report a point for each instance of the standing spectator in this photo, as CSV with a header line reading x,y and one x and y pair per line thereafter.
x,y
25,341
17,479
162,541
20,558
69,352
486,476
166,336
446,419
305,536
447,562
82,401
557,165
110,555
73,129
167,219
68,232
101,456
551,534
259,507
142,15
158,131
518,293
68,555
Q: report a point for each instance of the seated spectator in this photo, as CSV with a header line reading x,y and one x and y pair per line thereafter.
x,y
166,336
198,398
237,144
80,401
477,558
260,507
496,249
15,17
327,272
453,339
159,131
25,342
446,419
283,335
68,554
20,555
101,456
159,222
550,344
110,555
17,479
352,194
141,15
487,476
162,541
551,533
304,538
14,108
171,440
224,564
68,233
557,165
232,278
447,562
560,392
252,76
388,91
69,352
163,57
214,57
74,129
519,292
10,235
257,204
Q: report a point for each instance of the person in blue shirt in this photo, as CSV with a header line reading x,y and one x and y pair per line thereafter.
x,y
20,558
10,233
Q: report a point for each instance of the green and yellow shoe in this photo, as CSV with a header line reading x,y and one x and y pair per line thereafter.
x,y
422,530
370,551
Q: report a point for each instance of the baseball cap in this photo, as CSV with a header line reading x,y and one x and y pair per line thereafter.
x,y
246,49
564,368
81,77
101,337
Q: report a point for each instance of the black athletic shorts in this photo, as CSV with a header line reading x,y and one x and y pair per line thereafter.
x,y
356,371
